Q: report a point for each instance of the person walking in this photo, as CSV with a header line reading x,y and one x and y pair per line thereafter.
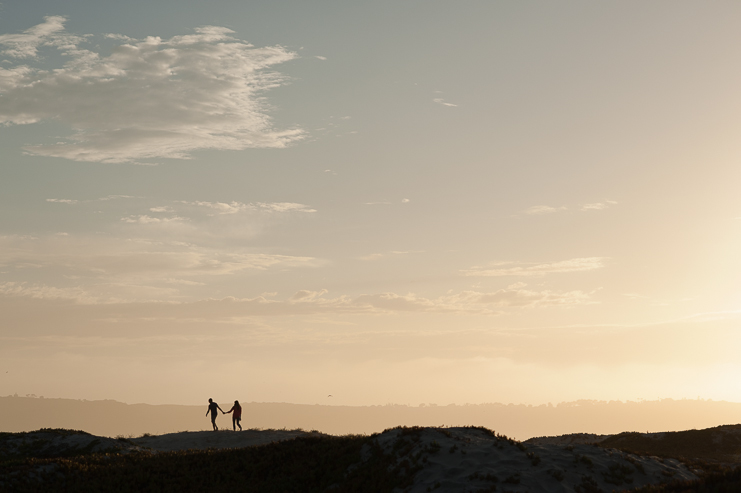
x,y
212,407
237,416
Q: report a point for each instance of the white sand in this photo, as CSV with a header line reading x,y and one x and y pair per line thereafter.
x,y
470,459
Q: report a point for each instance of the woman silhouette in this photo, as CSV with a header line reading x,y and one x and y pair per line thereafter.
x,y
237,416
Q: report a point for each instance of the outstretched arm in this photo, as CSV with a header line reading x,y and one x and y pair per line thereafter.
x,y
220,409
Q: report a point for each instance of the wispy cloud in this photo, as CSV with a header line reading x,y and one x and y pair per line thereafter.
x,y
443,102
120,269
547,209
598,206
378,256
542,209
145,219
521,269
101,199
48,33
235,207
116,197
150,98
317,302
284,207
63,201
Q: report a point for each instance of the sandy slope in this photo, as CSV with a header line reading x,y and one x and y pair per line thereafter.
x,y
60,443
201,440
473,459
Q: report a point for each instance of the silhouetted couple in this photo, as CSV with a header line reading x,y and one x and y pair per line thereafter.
x,y
236,417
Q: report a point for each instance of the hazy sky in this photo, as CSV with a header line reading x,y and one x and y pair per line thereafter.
x,y
390,202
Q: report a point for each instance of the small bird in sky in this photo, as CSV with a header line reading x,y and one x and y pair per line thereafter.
x,y
330,395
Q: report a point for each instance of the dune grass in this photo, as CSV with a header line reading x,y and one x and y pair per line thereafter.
x,y
721,444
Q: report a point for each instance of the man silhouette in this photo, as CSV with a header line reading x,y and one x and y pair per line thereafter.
x,y
212,407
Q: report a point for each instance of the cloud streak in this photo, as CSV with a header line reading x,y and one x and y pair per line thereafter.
x,y
95,269
149,99
518,269
542,209
598,206
235,207
538,210
308,302
443,102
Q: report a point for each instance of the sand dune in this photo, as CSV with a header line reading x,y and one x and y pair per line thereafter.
x,y
473,458
454,459
223,439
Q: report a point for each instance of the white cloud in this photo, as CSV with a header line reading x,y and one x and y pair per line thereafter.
x,y
115,197
405,201
101,199
145,219
547,209
223,207
63,201
284,207
542,209
598,206
235,207
306,296
378,256
164,208
150,98
519,269
442,102
320,57
26,44
45,292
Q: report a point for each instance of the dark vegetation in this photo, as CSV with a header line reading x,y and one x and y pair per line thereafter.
x,y
306,464
303,464
728,480
40,445
722,444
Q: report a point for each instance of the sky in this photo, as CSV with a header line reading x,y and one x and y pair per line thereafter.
x,y
386,202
